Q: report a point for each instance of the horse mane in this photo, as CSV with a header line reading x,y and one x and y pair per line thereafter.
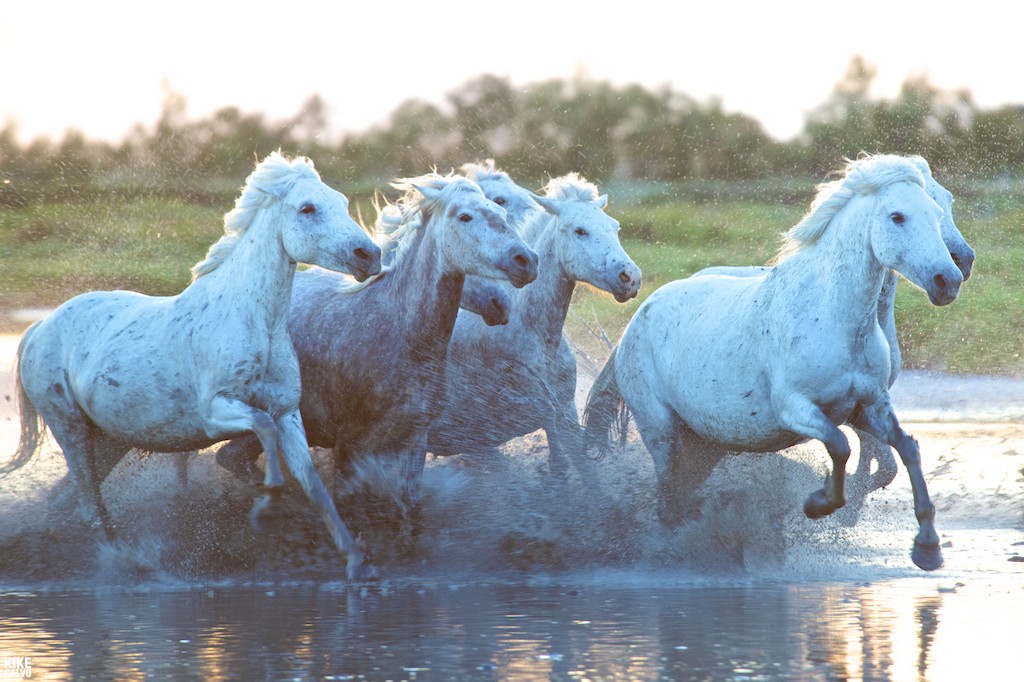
x,y
398,223
568,187
271,180
865,176
484,170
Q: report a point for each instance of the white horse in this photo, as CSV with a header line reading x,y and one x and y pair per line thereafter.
x,y
755,364
372,388
109,371
962,254
511,380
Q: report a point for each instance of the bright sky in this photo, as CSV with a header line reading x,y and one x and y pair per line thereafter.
x,y
101,66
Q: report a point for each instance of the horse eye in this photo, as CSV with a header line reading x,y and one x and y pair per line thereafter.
x,y
898,218
308,209
581,232
465,217
500,201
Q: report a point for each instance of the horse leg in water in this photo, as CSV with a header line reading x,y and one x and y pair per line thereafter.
x,y
880,421
682,462
89,455
413,461
565,441
295,450
231,415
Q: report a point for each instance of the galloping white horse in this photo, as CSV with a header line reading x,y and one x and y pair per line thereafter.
x,y
718,363
372,388
511,380
962,254
113,370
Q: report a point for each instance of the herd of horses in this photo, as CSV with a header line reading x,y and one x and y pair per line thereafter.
x,y
444,335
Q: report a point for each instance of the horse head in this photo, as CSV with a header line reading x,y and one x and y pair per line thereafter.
x,y
906,232
588,238
498,187
316,228
959,249
473,231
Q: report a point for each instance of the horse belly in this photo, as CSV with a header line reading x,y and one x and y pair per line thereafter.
x,y
747,423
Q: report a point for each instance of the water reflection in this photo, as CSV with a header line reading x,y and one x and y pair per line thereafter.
x,y
501,631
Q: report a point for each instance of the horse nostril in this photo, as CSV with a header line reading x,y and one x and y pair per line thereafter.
x,y
939,281
362,254
624,277
522,261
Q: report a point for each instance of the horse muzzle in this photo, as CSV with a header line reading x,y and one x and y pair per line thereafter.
x,y
625,285
944,288
364,262
521,267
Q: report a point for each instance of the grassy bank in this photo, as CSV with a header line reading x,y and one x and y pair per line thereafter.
x,y
49,253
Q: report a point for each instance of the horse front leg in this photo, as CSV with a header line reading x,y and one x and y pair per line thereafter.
x,y
880,421
412,463
803,417
230,415
295,449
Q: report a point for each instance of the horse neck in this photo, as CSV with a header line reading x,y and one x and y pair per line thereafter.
x,y
428,292
545,301
843,274
257,275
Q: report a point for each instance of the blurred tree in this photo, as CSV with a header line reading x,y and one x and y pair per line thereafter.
x,y
537,131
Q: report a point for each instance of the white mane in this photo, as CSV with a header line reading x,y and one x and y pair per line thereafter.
x,y
862,177
272,179
569,187
483,171
398,223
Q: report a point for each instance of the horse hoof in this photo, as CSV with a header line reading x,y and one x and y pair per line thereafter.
x,y
817,505
926,556
240,466
265,512
361,572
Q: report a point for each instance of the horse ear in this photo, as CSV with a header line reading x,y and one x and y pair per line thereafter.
x,y
602,201
431,193
549,205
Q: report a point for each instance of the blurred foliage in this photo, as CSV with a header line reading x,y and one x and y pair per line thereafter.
x,y
545,129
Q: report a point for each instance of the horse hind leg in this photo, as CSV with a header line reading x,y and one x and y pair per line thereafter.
x,y
88,463
682,463
874,450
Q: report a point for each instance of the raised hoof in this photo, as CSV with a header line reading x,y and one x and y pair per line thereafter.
x,y
818,506
926,556
240,465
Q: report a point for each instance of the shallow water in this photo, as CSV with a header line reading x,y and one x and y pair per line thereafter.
x,y
507,573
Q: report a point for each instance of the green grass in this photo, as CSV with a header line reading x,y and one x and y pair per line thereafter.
x,y
53,252
49,253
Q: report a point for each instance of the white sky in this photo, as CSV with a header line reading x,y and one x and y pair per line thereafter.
x,y
100,66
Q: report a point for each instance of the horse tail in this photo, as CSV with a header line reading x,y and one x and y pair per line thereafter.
x,y
606,414
31,422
